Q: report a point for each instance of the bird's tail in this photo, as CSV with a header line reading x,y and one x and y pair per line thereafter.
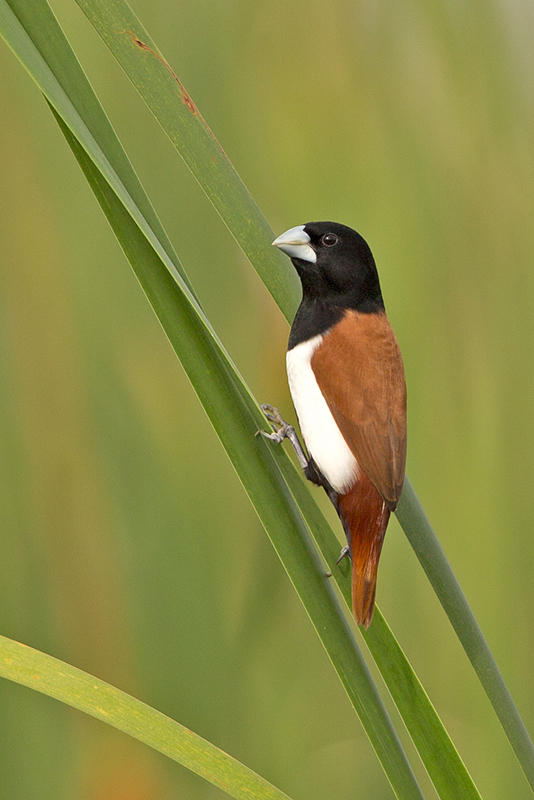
x,y
365,518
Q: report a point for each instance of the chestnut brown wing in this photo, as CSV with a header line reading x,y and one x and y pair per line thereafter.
x,y
359,369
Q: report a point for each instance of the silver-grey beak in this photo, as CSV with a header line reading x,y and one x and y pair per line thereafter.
x,y
296,244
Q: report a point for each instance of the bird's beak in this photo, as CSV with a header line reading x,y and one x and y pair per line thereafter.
x,y
296,244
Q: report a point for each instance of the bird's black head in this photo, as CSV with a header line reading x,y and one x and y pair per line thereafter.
x,y
335,265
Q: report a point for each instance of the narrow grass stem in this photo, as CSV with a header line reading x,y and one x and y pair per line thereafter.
x,y
432,558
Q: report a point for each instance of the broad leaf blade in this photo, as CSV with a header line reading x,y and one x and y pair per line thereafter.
x,y
80,690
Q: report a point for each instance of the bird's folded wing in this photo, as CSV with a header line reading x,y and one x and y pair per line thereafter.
x,y
359,370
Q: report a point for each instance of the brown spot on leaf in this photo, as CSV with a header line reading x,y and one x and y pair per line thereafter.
x,y
187,101
186,97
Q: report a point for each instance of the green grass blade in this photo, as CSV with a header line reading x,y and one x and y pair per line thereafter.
x,y
224,397
434,561
78,689
157,83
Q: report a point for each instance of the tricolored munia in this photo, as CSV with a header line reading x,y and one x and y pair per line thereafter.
x,y
346,379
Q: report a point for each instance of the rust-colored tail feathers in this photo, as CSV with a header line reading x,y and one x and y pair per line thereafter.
x,y
365,517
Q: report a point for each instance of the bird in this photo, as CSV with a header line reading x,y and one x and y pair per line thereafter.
x,y
346,379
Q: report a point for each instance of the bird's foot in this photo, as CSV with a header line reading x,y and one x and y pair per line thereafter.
x,y
345,551
283,430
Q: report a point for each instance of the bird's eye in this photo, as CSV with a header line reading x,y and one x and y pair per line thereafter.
x,y
329,239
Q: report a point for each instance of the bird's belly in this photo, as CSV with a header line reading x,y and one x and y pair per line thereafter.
x,y
321,434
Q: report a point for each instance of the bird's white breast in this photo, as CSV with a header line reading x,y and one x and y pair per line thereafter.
x,y
321,434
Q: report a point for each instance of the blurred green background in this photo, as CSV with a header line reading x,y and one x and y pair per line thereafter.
x,y
128,546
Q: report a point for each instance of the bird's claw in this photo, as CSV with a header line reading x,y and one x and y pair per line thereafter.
x,y
283,430
280,427
275,436
345,551
273,414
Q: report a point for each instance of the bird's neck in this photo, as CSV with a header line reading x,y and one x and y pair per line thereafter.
x,y
316,315
313,318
